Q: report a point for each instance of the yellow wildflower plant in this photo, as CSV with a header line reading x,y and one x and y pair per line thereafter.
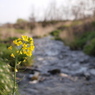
x,y
10,48
23,45
12,55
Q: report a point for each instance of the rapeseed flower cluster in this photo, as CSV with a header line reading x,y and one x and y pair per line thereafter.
x,y
25,45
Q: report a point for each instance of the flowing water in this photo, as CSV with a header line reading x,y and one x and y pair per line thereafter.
x,y
59,71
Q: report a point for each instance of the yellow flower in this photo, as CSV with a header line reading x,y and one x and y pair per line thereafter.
x,y
19,62
20,52
19,39
19,43
15,42
16,70
17,51
29,54
12,55
24,46
24,60
10,47
32,48
31,39
24,38
31,42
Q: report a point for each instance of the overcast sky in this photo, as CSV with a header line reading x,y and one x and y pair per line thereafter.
x,y
11,10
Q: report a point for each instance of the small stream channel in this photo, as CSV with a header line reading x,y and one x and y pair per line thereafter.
x,y
58,70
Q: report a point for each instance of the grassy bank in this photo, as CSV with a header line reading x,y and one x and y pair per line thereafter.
x,y
81,36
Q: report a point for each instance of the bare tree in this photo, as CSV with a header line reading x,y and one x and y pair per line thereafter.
x,y
75,11
93,7
53,12
81,9
32,17
65,12
50,13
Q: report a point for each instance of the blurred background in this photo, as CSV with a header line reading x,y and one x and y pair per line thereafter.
x,y
40,18
67,20
64,36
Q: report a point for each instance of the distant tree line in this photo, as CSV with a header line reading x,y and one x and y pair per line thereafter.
x,y
79,10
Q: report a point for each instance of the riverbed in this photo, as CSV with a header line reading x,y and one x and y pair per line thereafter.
x,y
57,70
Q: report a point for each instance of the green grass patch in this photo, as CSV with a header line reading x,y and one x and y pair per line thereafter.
x,y
90,47
55,33
85,42
93,23
6,80
74,23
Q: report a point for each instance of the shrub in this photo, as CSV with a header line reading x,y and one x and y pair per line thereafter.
x,y
90,48
56,34
73,45
93,23
20,20
81,41
85,38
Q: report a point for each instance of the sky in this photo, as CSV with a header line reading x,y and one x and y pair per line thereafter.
x,y
11,10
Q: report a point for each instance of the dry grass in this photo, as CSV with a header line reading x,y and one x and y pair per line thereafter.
x,y
37,31
76,28
6,33
71,27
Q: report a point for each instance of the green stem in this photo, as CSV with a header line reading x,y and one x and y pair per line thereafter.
x,y
14,88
